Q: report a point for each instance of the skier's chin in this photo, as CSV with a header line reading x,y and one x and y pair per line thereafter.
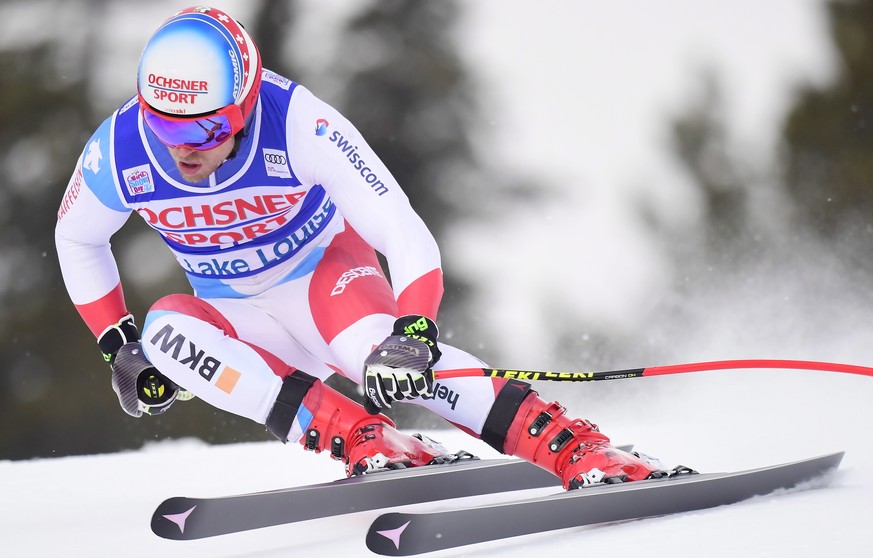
x,y
192,172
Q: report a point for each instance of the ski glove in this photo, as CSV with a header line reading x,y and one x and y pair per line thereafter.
x,y
401,366
138,384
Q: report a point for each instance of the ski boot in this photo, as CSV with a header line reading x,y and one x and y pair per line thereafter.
x,y
365,443
572,449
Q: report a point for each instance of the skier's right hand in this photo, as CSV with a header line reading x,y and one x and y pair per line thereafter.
x,y
138,384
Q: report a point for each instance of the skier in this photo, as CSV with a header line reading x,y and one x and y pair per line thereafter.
x,y
274,205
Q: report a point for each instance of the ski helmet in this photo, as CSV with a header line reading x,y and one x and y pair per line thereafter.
x,y
198,80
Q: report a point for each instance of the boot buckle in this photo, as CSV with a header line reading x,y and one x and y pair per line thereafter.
x,y
312,437
536,427
561,440
337,448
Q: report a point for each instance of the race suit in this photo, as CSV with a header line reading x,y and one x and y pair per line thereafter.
x,y
278,246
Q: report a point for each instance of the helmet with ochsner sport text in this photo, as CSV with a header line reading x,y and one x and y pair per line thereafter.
x,y
198,79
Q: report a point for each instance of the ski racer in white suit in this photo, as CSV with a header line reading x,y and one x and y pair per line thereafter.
x,y
274,205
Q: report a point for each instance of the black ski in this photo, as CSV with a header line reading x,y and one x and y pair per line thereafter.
x,y
404,534
183,518
194,518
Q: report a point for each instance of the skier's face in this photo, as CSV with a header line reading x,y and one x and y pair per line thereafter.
x,y
197,165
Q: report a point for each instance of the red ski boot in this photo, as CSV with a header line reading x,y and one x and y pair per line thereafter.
x,y
362,441
574,450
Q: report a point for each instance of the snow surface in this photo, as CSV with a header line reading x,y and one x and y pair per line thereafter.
x,y
714,421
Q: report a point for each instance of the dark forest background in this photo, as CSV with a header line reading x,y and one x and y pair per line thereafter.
x,y
413,102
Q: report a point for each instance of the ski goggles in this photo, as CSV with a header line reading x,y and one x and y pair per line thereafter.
x,y
201,132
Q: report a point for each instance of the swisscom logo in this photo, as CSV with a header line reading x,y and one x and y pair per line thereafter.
x,y
321,126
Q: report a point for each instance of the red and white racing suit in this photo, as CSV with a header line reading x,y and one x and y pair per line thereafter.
x,y
278,245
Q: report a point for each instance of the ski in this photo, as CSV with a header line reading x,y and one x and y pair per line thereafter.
x,y
182,518
405,534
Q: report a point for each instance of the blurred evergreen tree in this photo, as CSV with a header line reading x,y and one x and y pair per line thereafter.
x,y
829,136
825,164
406,90
700,139
271,26
44,109
761,227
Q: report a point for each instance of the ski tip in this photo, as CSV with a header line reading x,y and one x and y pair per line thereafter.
x,y
171,519
826,462
832,461
386,534
838,456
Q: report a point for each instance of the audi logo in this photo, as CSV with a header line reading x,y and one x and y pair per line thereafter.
x,y
275,158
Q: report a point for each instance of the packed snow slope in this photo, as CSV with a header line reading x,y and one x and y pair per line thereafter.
x,y
714,421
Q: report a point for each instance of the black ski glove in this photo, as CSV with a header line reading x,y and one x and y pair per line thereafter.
x,y
401,367
138,384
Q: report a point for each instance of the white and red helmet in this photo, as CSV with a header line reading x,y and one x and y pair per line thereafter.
x,y
199,63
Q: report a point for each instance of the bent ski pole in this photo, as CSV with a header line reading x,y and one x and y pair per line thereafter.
x,y
533,375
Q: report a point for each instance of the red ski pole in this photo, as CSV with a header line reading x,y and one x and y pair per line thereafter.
x,y
534,375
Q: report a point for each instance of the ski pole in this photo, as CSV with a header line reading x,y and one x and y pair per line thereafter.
x,y
534,375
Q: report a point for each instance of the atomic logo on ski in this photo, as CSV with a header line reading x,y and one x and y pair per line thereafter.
x,y
180,518
394,534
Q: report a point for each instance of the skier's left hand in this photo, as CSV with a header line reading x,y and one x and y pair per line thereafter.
x,y
401,366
